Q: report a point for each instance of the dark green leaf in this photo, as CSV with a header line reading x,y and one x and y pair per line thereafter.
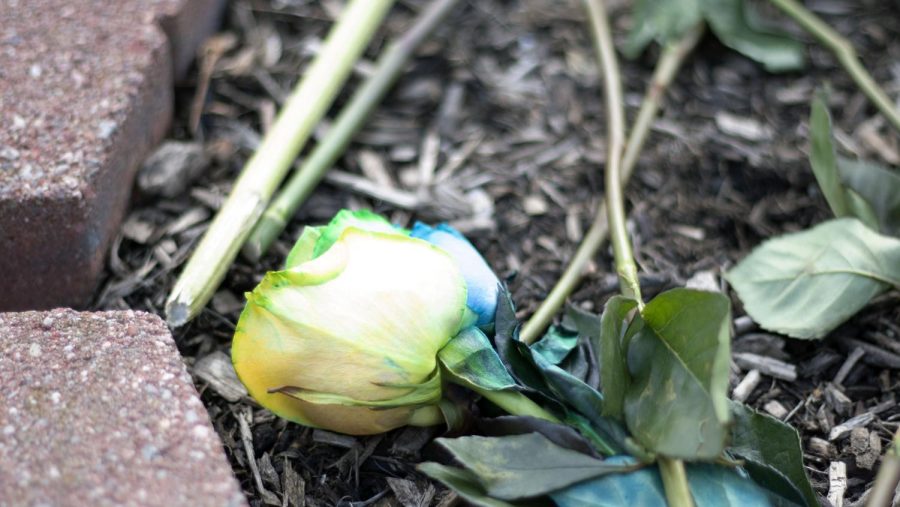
x,y
724,487
661,21
678,357
738,29
614,377
823,158
556,344
807,283
585,400
576,402
642,487
582,361
773,455
880,187
524,466
470,358
465,484
510,349
711,485
560,434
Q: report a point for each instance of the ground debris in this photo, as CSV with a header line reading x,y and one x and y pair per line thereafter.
x,y
502,106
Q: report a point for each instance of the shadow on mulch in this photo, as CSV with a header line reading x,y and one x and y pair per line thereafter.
x,y
509,94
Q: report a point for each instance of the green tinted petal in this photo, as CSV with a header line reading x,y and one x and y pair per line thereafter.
x,y
303,248
360,219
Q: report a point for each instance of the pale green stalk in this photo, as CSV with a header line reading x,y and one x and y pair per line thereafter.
x,y
846,55
671,470
516,403
268,166
347,124
670,61
888,477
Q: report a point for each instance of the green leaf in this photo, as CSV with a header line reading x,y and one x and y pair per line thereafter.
x,y
562,435
584,399
556,344
642,487
807,283
464,482
512,351
843,201
879,187
678,357
737,27
861,209
470,358
772,453
524,466
710,485
614,377
661,21
823,158
579,403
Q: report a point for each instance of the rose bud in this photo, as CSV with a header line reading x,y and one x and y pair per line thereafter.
x,y
346,337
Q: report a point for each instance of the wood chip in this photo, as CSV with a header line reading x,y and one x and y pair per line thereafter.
x,y
837,483
865,446
535,205
216,370
849,363
294,487
186,220
373,167
335,439
704,280
244,417
775,409
138,230
354,183
821,447
767,365
838,400
746,386
690,232
847,426
410,493
171,168
745,128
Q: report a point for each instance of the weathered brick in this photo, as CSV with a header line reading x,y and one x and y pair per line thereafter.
x,y
85,93
98,409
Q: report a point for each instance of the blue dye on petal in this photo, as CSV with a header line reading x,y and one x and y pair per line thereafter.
x,y
482,283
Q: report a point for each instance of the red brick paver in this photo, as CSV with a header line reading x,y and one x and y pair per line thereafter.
x,y
98,409
85,93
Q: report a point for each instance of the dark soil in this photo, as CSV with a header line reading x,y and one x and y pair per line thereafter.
x,y
510,93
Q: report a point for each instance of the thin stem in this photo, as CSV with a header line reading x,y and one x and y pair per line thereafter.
x,y
670,61
516,403
267,167
347,124
674,478
672,471
845,53
888,476
615,138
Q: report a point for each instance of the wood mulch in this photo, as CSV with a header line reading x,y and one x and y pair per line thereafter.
x,y
498,127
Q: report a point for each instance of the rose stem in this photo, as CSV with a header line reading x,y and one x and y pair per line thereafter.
x,y
347,124
267,167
